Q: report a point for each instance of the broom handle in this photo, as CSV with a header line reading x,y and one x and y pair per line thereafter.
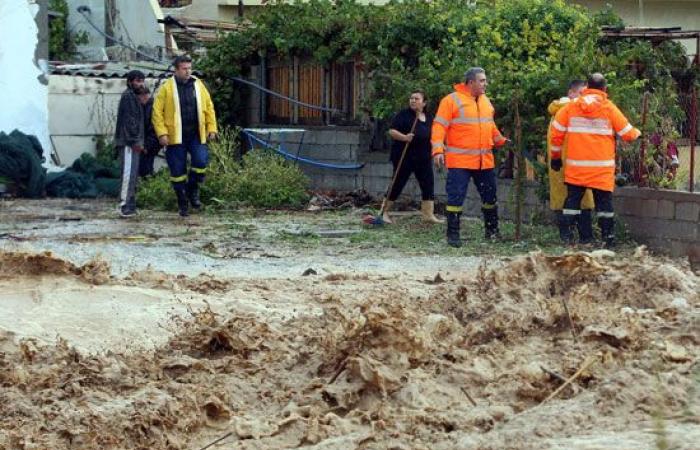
x,y
398,166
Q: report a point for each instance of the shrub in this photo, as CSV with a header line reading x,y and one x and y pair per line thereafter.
x,y
260,179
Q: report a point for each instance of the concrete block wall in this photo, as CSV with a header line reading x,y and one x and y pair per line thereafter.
x,y
666,221
341,145
347,145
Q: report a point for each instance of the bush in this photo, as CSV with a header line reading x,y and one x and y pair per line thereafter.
x,y
260,179
156,192
269,181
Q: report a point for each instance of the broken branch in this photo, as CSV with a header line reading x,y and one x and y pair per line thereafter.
x,y
590,360
217,441
469,397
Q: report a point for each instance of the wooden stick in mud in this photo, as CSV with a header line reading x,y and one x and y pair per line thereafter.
x,y
553,374
339,371
571,321
217,441
469,397
586,364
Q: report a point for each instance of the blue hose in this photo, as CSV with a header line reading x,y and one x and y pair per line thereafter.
x,y
278,149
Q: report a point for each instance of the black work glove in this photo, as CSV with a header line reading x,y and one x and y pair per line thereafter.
x,y
555,164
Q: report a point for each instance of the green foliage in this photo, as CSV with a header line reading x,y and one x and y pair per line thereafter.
x,y
62,42
259,179
156,192
530,49
269,181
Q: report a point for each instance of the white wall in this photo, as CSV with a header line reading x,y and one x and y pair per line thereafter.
x,y
23,97
655,13
83,108
135,24
94,49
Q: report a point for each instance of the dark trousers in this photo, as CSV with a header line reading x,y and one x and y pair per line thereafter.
x,y
458,181
603,208
423,170
176,156
147,161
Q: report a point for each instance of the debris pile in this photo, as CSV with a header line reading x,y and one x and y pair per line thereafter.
x,y
524,355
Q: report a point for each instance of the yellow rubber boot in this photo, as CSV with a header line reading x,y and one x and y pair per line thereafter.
x,y
427,210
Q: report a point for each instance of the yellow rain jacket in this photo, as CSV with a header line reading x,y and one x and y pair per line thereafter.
x,y
166,112
557,188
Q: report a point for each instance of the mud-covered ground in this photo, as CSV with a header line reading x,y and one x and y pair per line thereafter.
x,y
166,334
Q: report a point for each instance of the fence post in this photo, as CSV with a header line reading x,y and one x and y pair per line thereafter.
x,y
519,171
641,169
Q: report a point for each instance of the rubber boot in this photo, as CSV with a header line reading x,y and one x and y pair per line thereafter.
x,y
193,194
491,223
566,233
453,239
386,206
182,202
584,224
607,231
427,210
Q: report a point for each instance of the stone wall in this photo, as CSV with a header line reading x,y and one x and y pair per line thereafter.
x,y
667,221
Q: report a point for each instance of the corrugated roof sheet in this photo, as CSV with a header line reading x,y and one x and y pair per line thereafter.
x,y
105,70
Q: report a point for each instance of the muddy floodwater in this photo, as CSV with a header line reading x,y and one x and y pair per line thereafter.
x,y
162,333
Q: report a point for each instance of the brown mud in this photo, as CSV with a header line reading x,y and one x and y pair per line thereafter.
x,y
367,362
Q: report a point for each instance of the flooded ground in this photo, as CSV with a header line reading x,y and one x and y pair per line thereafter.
x,y
295,330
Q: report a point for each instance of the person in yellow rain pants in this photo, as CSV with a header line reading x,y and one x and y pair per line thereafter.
x,y
557,188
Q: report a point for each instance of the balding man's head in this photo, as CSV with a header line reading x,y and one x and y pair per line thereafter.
x,y
597,81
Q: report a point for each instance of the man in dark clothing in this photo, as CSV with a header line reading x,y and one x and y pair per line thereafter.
x,y
150,140
128,140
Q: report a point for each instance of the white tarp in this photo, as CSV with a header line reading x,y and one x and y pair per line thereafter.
x,y
23,98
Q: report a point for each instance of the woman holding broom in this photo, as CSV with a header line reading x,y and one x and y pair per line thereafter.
x,y
411,154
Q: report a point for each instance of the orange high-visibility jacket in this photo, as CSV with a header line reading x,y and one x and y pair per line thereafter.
x,y
590,122
464,130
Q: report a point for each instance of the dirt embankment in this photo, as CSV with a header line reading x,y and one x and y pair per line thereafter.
x,y
469,367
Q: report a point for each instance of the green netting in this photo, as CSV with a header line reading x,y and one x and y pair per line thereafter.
x,y
21,157
70,184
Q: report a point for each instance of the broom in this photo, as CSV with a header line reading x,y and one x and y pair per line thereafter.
x,y
368,218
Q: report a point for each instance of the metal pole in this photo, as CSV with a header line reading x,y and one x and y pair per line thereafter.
x,y
641,169
693,136
168,41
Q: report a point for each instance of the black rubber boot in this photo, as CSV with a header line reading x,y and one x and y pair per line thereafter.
x,y
566,233
607,231
182,206
584,223
491,223
193,194
453,239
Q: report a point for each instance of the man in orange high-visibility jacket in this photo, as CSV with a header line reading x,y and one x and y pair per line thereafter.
x,y
589,123
557,188
463,137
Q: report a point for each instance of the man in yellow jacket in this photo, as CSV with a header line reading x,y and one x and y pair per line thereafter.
x,y
463,137
589,124
184,120
557,188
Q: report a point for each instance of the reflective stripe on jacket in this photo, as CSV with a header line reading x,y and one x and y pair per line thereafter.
x,y
464,130
590,124
166,112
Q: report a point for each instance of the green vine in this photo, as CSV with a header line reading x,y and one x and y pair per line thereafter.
x,y
62,42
